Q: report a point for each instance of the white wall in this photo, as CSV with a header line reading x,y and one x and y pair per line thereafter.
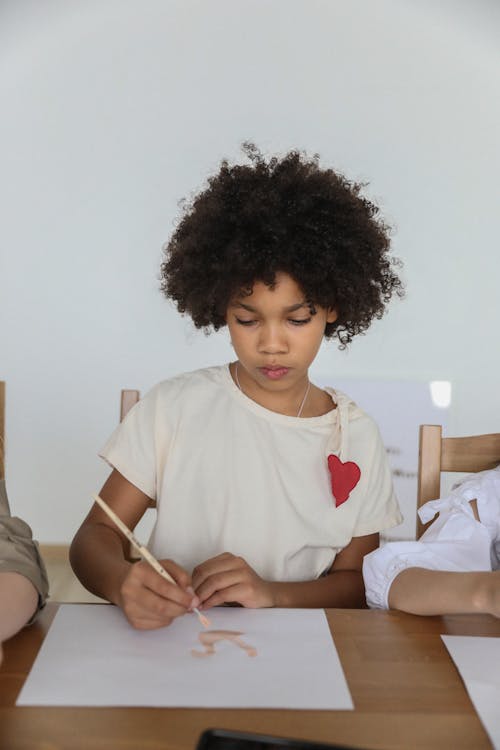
x,y
112,111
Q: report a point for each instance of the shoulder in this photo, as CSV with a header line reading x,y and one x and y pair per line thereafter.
x,y
360,434
206,378
188,388
354,414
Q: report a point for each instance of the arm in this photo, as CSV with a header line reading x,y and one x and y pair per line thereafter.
x,y
18,603
342,587
436,592
227,578
421,591
99,558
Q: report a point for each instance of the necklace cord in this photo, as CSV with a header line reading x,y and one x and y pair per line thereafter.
x,y
303,400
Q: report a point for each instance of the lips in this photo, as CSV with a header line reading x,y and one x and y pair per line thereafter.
x,y
274,372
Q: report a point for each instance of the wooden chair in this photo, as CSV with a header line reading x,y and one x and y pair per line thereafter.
x,y
128,400
456,454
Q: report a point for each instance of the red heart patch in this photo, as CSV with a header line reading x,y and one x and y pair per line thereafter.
x,y
345,477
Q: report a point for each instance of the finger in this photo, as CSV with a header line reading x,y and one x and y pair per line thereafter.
x,y
214,565
148,624
144,603
220,582
238,593
139,582
146,621
145,576
180,576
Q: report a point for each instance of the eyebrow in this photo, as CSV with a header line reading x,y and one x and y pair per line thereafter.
x,y
291,308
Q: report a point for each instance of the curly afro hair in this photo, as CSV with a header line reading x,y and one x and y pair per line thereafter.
x,y
285,214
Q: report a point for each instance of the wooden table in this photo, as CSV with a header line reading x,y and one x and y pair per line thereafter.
x,y
406,691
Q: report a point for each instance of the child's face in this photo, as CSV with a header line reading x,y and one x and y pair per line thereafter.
x,y
274,334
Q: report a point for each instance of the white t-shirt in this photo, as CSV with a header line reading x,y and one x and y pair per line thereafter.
x,y
228,475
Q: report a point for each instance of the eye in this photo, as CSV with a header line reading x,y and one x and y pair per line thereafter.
x,y
245,322
297,322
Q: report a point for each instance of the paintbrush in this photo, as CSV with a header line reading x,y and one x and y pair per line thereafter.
x,y
144,552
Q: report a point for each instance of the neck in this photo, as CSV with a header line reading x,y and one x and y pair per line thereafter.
x,y
289,404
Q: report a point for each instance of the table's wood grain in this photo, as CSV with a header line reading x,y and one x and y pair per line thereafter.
x,y
406,690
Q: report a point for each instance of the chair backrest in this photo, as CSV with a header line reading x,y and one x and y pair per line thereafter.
x,y
460,454
2,429
128,399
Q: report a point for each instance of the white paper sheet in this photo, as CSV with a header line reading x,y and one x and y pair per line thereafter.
x,y
478,661
91,656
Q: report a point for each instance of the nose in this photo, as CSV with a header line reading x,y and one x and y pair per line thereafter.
x,y
272,340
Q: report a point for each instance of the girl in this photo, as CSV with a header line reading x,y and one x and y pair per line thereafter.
x,y
269,490
455,566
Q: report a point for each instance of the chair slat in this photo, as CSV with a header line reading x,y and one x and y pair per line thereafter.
x,y
476,453
128,399
456,454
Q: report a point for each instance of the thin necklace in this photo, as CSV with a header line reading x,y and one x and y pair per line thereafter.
x,y
303,400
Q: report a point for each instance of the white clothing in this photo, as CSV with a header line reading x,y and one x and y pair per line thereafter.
x,y
229,475
456,541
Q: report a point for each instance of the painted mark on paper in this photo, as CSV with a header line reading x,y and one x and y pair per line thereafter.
x,y
209,638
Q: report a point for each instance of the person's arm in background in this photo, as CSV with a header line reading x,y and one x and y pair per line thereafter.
x,y
439,592
18,604
435,592
23,579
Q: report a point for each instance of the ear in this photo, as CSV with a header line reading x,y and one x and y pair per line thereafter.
x,y
331,315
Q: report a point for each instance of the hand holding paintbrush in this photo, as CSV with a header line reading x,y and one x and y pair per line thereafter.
x,y
143,551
